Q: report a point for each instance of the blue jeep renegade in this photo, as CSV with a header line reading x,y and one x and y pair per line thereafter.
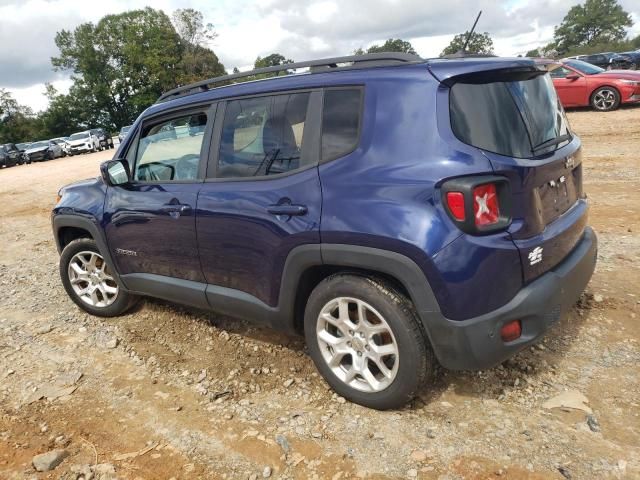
x,y
400,212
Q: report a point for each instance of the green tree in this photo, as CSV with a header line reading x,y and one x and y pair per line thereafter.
x,y
271,61
17,122
197,60
591,23
480,43
64,115
189,24
393,45
533,53
120,65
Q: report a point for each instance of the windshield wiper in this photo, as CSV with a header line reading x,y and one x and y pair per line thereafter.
x,y
550,143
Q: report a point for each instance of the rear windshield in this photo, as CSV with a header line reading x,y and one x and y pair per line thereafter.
x,y
514,118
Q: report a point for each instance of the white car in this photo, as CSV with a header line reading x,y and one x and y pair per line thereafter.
x,y
66,146
82,142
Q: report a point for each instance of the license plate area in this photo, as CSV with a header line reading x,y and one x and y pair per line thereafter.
x,y
557,196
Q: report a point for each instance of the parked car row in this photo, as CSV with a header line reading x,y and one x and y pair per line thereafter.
x,y
81,142
612,60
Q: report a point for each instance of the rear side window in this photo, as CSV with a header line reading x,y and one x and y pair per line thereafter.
x,y
513,118
340,122
263,136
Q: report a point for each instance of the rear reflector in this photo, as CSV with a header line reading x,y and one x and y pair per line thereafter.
x,y
511,331
455,202
485,205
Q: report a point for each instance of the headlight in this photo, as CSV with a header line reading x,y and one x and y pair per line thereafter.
x,y
635,83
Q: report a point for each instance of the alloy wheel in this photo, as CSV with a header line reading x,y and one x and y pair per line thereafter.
x,y
604,99
91,279
357,344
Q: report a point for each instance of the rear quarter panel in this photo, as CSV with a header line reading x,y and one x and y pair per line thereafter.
x,y
386,194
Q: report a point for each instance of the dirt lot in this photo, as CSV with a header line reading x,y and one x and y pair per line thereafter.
x,y
170,392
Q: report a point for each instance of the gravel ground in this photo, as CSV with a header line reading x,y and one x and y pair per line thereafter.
x,y
171,392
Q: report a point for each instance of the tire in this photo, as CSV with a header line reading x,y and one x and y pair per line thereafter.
x,y
392,323
605,99
85,255
50,155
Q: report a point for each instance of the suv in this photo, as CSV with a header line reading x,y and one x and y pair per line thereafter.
x,y
82,142
400,213
105,140
10,155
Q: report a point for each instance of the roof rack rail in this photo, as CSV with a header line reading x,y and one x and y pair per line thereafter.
x,y
315,66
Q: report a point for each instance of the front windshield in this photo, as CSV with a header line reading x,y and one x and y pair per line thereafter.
x,y
78,136
584,67
39,145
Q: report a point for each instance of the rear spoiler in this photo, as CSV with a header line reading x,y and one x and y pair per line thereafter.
x,y
483,70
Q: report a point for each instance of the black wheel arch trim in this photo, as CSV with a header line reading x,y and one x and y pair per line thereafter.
x,y
88,223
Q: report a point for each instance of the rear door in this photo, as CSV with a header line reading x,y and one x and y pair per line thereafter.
x,y
262,196
150,223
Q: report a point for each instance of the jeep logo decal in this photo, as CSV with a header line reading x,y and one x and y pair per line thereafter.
x,y
535,255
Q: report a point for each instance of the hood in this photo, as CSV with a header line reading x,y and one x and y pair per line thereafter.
x,y
80,141
82,183
619,75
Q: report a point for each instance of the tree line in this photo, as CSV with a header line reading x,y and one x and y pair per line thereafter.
x,y
122,64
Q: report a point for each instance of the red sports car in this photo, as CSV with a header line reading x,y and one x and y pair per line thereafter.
x,y
580,84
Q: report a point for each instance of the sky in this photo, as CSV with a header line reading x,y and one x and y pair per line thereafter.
x,y
298,29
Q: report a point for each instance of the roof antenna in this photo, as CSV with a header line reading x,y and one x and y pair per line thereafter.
x,y
466,42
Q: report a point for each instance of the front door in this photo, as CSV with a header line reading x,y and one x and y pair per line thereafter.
x,y
571,91
263,196
150,223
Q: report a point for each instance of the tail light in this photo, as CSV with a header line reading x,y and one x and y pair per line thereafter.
x,y
480,204
486,208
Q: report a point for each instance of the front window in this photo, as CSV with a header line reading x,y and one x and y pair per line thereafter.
x,y
560,72
39,145
584,67
170,150
521,118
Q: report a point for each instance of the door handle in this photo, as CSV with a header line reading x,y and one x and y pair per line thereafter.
x,y
287,210
178,209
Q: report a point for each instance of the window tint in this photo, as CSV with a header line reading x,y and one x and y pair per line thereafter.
x,y
170,150
340,122
509,118
485,116
263,136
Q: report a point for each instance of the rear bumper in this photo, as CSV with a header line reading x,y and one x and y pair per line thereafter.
x,y
475,344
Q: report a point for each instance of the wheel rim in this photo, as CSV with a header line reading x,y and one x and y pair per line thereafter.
x,y
604,99
91,279
357,344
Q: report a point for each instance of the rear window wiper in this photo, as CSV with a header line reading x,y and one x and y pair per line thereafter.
x,y
553,141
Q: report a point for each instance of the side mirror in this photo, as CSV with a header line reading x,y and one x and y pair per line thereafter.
x,y
572,76
115,172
